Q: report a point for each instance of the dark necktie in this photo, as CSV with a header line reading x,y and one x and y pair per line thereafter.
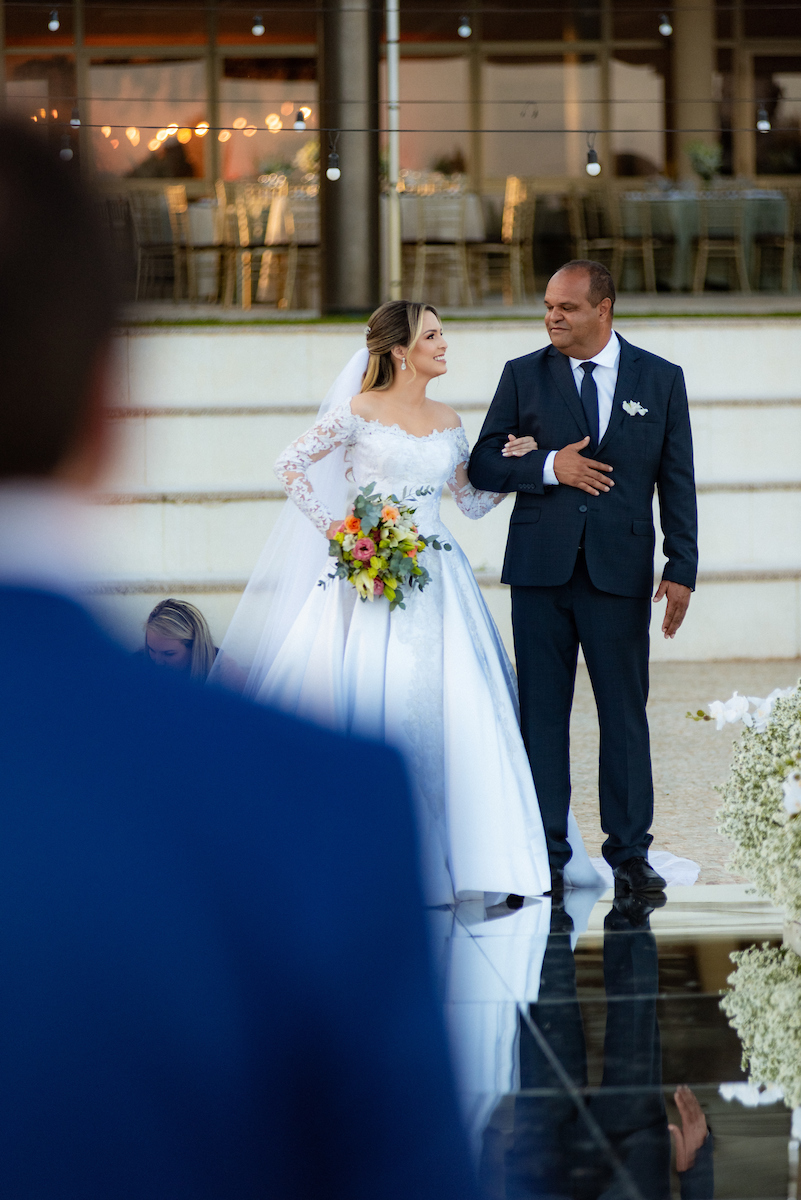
x,y
589,402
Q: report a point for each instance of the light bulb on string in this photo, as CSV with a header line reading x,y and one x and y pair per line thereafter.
x,y
257,29
75,119
763,120
665,27
593,166
465,28
65,153
299,124
54,24
332,170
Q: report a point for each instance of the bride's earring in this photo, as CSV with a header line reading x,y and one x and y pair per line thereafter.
x,y
403,364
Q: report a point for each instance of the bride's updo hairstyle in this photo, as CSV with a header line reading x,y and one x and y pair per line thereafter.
x,y
396,323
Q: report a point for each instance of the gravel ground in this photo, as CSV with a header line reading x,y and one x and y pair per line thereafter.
x,y
690,758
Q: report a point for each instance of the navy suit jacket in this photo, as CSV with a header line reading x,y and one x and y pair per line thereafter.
x,y
215,979
537,395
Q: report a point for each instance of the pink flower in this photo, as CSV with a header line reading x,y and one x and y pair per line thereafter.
x,y
378,586
364,549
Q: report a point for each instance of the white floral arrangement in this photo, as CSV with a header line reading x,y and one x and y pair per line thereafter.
x,y
762,796
764,1006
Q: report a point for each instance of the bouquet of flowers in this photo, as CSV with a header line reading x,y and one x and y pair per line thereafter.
x,y
377,548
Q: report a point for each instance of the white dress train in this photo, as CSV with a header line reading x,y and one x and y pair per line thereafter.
x,y
432,679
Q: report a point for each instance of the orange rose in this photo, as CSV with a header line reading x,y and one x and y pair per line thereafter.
x,y
412,553
388,513
353,525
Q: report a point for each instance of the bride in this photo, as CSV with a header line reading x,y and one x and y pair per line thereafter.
x,y
432,679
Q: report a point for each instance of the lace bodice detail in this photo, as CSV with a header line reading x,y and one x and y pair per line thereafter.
x,y
386,455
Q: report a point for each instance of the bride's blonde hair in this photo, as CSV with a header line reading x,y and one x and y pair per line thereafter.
x,y
396,323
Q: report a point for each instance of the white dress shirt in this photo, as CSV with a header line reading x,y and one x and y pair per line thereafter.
x,y
605,376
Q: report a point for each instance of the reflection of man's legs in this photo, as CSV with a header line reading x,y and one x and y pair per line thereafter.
x,y
546,648
630,1107
546,1128
615,639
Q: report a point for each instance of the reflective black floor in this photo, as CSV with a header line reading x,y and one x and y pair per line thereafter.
x,y
580,1034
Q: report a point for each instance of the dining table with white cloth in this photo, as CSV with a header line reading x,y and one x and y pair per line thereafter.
x,y
674,214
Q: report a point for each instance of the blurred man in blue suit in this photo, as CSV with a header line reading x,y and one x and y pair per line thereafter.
x,y
183,1013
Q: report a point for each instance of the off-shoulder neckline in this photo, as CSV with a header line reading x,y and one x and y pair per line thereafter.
x,y
396,428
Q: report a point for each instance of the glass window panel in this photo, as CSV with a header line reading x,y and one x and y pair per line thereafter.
x,y
283,21
541,20
131,102
638,18
434,103
723,91
259,101
637,112
549,104
421,22
131,23
43,87
777,87
724,18
781,20
28,24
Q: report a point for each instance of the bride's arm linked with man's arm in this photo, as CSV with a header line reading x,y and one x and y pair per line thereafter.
x,y
473,502
494,464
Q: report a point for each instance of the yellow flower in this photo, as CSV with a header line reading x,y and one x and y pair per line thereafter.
x,y
363,583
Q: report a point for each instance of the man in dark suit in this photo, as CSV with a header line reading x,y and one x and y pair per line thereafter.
x,y
215,978
612,423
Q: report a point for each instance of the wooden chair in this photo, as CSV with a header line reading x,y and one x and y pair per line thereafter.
x,y
515,249
440,238
157,253
626,243
588,221
187,249
303,229
720,235
784,242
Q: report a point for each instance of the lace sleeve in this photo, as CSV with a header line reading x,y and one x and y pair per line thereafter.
x,y
474,504
335,429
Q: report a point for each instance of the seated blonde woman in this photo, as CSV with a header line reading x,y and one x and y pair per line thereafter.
x,y
177,636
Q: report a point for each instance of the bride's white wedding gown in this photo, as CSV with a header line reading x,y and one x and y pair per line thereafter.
x,y
433,680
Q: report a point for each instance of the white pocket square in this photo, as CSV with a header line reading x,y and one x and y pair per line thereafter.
x,y
634,409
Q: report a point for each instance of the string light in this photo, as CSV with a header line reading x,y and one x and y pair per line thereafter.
x,y
172,130
465,28
114,143
106,131
332,171
665,27
763,120
305,113
251,129
75,119
273,122
184,136
593,166
224,135
287,108
153,144
65,153
161,136
202,129
54,24
132,134
239,122
299,124
258,26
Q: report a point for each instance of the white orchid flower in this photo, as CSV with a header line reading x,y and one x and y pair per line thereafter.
x,y
750,1095
792,792
733,709
764,708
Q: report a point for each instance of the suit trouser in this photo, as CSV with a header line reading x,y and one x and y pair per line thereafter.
x,y
549,624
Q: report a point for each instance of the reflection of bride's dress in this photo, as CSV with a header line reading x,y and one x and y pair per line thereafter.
x,y
433,680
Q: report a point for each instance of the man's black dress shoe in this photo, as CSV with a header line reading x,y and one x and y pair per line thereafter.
x,y
637,876
557,887
637,908
513,901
